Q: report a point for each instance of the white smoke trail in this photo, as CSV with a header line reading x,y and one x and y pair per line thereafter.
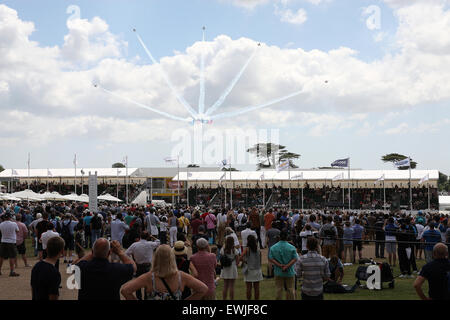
x,y
166,78
225,94
252,108
201,100
143,106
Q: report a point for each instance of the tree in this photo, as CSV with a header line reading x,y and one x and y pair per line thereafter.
x,y
269,155
118,165
443,182
1,168
394,157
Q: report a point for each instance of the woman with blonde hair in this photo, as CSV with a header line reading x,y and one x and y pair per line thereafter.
x,y
164,281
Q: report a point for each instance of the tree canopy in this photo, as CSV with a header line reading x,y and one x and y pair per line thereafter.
x,y
269,155
118,165
1,168
394,157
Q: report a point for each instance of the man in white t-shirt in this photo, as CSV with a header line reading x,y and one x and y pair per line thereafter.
x,y
245,233
8,248
47,235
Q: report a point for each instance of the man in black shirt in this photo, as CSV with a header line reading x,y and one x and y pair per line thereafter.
x,y
101,279
201,234
437,272
45,278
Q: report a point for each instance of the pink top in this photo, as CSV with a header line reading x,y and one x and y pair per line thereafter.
x,y
210,219
22,234
206,263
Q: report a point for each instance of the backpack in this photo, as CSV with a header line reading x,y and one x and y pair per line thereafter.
x,y
65,230
96,223
225,261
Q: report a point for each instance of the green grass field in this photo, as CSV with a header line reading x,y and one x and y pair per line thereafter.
x,y
403,290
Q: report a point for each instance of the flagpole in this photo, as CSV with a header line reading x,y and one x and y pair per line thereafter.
x,y
302,195
126,179
289,174
429,207
117,184
231,189
47,178
410,187
178,182
28,170
187,186
349,191
75,177
384,196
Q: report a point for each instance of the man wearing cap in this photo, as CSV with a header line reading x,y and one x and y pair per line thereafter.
x,y
8,248
142,253
205,263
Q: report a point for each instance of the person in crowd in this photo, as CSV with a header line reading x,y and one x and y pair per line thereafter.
x,y
419,245
8,249
183,224
142,253
151,223
201,234
96,226
245,233
255,224
173,229
211,221
251,258
45,237
436,272
165,281
306,233
205,263
328,233
67,227
314,270
118,229
283,256
430,238
196,223
272,237
336,269
87,229
391,230
21,236
163,230
404,251
45,277
101,279
358,235
40,228
348,241
229,272
379,238
222,224
184,264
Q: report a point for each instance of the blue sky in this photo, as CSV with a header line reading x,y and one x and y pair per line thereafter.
x,y
386,118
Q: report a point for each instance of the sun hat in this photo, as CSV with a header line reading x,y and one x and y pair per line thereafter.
x,y
179,248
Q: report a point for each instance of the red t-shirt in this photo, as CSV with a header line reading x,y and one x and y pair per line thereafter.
x,y
195,224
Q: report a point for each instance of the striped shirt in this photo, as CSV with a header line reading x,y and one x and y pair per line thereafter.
x,y
314,268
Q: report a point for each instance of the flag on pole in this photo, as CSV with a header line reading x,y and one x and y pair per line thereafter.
x,y
402,163
283,165
224,163
342,163
381,178
189,174
49,173
426,178
298,177
14,172
261,177
170,159
339,177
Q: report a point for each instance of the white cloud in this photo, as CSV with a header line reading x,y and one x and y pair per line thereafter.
x,y
402,128
247,4
39,82
294,17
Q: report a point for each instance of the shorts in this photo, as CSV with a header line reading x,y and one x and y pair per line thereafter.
x,y
8,250
357,244
391,247
21,248
69,243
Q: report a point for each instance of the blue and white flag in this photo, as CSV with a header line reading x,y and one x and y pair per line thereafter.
x,y
342,163
339,177
297,177
224,163
426,178
402,163
283,165
170,159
